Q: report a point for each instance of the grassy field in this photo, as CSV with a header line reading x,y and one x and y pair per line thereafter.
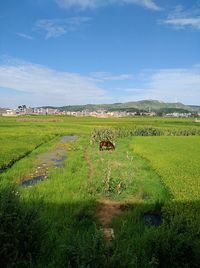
x,y
176,160
19,136
90,211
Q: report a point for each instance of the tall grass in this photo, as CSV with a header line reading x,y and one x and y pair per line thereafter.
x,y
21,229
99,134
122,175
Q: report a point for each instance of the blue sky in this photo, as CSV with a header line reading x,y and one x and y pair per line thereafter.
x,y
61,52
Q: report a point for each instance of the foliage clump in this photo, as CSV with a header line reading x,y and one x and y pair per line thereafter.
x,y
99,134
21,231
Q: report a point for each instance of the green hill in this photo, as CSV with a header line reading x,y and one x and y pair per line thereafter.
x,y
143,105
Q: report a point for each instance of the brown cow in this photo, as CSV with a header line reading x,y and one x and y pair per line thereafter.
x,y
107,144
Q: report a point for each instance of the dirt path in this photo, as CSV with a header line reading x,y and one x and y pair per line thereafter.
x,y
107,210
91,167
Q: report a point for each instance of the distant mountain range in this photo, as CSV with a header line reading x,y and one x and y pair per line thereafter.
x,y
137,106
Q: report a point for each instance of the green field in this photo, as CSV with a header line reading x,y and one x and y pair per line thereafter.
x,y
89,211
176,160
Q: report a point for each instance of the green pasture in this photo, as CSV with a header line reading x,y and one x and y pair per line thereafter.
x,y
21,135
55,222
176,160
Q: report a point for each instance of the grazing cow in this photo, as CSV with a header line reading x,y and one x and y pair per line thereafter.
x,y
106,144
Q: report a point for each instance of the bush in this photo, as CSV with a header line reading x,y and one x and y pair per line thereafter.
x,y
103,134
176,244
21,231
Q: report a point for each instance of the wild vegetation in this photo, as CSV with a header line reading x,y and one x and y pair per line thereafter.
x,y
111,134
91,211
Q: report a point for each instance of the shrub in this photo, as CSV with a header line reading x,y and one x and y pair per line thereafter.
x,y
103,134
20,230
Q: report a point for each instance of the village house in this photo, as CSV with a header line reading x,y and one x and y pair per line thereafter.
x,y
2,111
197,120
10,112
183,115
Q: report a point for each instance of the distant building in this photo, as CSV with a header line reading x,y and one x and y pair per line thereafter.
x,y
10,112
51,111
197,120
39,111
2,111
177,115
29,111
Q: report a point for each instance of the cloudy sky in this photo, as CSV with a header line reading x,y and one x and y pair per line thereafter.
x,y
61,52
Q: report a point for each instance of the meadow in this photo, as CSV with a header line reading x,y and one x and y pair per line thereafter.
x,y
176,160
90,212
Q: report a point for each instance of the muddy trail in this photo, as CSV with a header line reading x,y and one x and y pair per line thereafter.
x,y
48,161
107,210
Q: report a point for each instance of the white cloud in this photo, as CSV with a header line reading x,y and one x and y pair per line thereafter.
x,y
169,85
136,90
83,4
91,4
39,85
182,23
181,18
149,4
57,27
26,36
182,84
45,86
105,76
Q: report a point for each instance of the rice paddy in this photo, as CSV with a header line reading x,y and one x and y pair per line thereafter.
x,y
135,206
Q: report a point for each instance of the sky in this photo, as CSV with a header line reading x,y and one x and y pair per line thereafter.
x,y
65,52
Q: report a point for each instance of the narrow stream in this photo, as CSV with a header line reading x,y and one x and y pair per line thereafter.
x,y
153,218
48,160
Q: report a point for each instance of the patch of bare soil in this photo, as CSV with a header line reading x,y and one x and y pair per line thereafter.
x,y
107,210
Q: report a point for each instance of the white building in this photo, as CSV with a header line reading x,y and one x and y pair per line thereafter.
x,y
10,112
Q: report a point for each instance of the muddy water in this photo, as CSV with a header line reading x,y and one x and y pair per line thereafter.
x,y
48,160
68,138
153,218
33,180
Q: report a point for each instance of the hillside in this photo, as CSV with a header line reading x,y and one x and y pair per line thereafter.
x,y
144,105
